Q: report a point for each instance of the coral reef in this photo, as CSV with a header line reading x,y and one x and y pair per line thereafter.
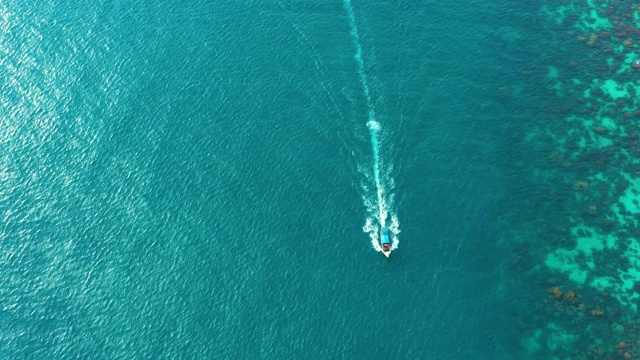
x,y
570,295
596,313
580,185
556,292
585,206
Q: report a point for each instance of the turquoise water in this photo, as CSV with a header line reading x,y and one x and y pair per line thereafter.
x,y
192,181
207,180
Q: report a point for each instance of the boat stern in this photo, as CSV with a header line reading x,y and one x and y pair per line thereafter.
x,y
385,241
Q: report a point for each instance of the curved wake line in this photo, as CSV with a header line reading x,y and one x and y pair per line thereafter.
x,y
374,129
358,57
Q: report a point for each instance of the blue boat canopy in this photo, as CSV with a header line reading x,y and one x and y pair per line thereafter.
x,y
385,236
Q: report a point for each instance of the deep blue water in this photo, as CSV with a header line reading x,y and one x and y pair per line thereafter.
x,y
191,179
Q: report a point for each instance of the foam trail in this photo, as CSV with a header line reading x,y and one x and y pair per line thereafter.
x,y
374,129
358,57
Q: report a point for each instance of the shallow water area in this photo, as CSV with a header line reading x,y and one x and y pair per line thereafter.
x,y
582,153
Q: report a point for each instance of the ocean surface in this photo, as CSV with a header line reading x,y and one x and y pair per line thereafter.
x,y
208,179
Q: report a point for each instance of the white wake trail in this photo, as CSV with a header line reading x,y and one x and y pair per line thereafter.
x,y
381,208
